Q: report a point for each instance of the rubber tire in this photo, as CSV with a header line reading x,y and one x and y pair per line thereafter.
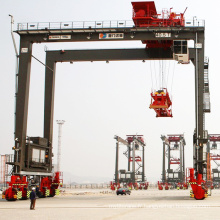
x,y
10,200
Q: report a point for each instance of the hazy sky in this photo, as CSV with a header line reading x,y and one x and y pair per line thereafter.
x,y
99,100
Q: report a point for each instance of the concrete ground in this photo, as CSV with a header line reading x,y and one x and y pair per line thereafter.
x,y
103,204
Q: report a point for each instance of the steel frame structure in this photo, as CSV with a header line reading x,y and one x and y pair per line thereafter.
x,y
173,143
213,152
30,37
2,168
131,142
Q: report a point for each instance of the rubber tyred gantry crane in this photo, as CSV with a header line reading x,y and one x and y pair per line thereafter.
x,y
174,157
134,176
166,40
213,154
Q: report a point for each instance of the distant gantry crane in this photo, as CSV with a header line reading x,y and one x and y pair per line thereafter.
x,y
213,156
173,154
134,176
3,170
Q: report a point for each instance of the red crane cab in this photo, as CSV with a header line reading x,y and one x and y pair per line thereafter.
x,y
145,15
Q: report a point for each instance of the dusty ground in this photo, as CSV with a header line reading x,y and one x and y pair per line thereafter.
x,y
102,204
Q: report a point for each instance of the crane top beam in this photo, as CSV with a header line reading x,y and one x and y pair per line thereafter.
x,y
135,139
165,140
102,31
87,26
214,137
138,141
176,137
121,140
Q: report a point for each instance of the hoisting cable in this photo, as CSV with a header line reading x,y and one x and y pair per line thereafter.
x,y
174,66
152,82
155,73
162,72
42,63
160,84
165,74
168,72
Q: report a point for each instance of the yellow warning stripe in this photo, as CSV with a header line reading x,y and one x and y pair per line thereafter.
x,y
19,194
19,184
191,183
57,192
28,194
47,193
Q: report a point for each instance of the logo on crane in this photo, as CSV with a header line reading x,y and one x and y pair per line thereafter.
x,y
111,36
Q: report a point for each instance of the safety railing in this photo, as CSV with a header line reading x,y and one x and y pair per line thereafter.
x,y
90,24
9,158
74,25
195,23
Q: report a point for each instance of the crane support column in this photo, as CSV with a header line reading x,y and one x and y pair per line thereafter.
x,y
49,98
129,155
143,165
198,62
49,103
181,160
116,163
22,103
184,174
133,162
168,157
164,169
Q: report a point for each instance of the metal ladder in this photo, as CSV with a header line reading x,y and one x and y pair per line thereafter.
x,y
206,93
